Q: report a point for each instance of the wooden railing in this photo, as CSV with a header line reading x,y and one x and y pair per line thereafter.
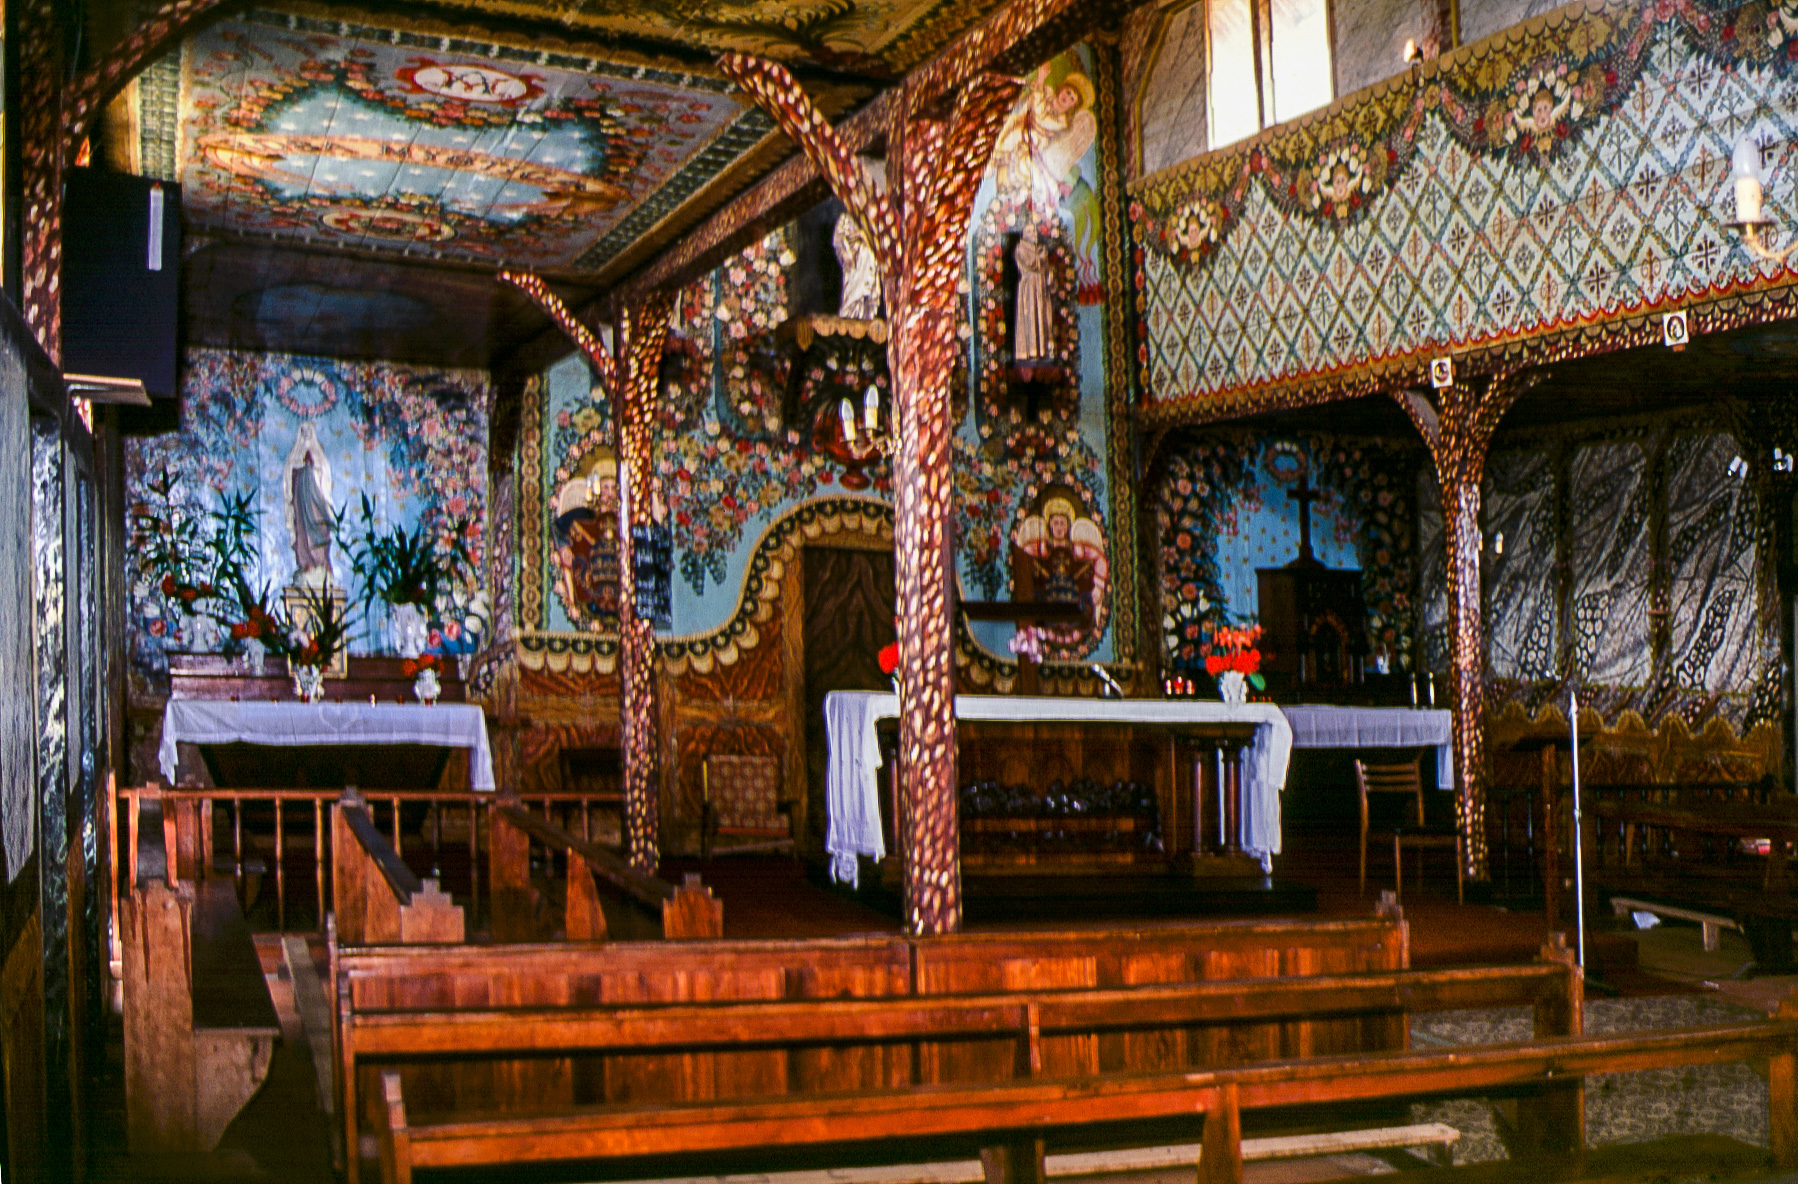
x,y
255,825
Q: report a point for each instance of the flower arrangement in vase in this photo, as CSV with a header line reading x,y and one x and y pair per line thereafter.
x,y
888,658
196,556
427,686
312,641
408,571
1235,662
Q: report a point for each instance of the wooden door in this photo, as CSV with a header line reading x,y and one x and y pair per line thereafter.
x,y
849,604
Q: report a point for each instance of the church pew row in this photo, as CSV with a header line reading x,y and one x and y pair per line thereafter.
x,y
432,985
377,899
640,905
1010,1119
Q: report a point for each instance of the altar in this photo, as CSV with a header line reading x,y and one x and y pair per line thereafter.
x,y
1247,750
327,725
1234,805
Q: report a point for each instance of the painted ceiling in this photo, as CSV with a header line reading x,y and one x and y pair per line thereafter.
x,y
421,146
885,37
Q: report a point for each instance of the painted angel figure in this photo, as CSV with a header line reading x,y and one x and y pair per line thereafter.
x,y
1039,150
1058,554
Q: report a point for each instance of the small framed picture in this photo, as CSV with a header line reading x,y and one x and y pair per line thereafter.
x,y
1442,372
1675,330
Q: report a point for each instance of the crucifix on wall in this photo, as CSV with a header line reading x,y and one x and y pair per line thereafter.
x,y
1304,495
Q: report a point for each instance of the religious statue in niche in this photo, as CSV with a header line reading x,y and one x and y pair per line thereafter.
x,y
306,486
1058,555
586,535
861,276
1035,332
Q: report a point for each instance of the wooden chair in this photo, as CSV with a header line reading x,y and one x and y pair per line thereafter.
x,y
742,801
1402,781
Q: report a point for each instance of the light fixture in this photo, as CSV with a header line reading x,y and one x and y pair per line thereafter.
x,y
1750,179
870,436
1738,468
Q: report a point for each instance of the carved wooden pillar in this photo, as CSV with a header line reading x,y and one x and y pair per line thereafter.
x,y
641,334
629,380
919,237
1458,429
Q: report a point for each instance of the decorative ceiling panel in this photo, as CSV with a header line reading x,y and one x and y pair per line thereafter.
x,y
878,37
438,147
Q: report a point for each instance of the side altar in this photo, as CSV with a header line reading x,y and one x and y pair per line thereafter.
x,y
1079,786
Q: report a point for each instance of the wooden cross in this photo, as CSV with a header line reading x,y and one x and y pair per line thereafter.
x,y
1304,495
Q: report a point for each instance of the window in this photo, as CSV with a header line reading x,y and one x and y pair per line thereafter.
x,y
1270,62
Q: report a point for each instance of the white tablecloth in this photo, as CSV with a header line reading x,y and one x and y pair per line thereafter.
x,y
1377,727
213,721
851,781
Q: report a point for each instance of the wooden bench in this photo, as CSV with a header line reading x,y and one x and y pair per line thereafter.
x,y
422,987
1009,1119
1684,857
640,906
199,1026
377,898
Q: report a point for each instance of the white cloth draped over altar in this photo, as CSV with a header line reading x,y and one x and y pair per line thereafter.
x,y
852,785
213,721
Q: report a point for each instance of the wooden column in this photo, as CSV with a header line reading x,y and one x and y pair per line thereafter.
x,y
628,379
936,155
1457,427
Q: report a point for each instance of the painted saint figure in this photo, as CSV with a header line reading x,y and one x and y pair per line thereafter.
x,y
861,276
1035,335
1058,555
309,513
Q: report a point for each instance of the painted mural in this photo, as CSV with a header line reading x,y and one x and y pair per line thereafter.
x,y
1570,171
885,36
301,441
750,430
289,128
1222,511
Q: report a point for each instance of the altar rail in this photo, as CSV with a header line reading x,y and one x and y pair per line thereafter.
x,y
451,825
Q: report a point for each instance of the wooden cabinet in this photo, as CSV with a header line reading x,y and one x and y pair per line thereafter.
x,y
1313,632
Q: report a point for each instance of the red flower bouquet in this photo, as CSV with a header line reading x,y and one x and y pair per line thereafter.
x,y
888,658
1235,650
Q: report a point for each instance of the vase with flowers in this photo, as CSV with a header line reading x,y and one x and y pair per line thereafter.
x,y
1235,662
312,640
407,571
427,685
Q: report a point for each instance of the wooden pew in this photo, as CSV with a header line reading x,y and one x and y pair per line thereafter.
x,y
1024,1111
199,1027
432,986
1682,849
642,906
378,901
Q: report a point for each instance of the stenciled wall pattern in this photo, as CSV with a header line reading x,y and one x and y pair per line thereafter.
x,y
1566,172
411,439
1221,512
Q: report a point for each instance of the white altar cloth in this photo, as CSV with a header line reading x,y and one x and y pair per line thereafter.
x,y
1377,727
216,721
851,780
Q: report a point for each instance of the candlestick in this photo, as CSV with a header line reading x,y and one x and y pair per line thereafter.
x,y
1413,682
1431,686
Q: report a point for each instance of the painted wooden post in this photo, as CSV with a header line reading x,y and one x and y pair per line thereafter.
x,y
1458,429
919,237
628,378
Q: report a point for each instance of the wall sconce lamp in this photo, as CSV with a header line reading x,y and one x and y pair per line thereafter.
x,y
869,437
1750,180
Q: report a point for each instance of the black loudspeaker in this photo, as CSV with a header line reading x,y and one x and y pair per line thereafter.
x,y
121,289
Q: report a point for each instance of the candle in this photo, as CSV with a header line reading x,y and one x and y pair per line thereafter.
x,y
1748,199
1431,685
1413,690
846,412
871,407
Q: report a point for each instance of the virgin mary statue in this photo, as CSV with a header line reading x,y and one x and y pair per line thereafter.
x,y
307,485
